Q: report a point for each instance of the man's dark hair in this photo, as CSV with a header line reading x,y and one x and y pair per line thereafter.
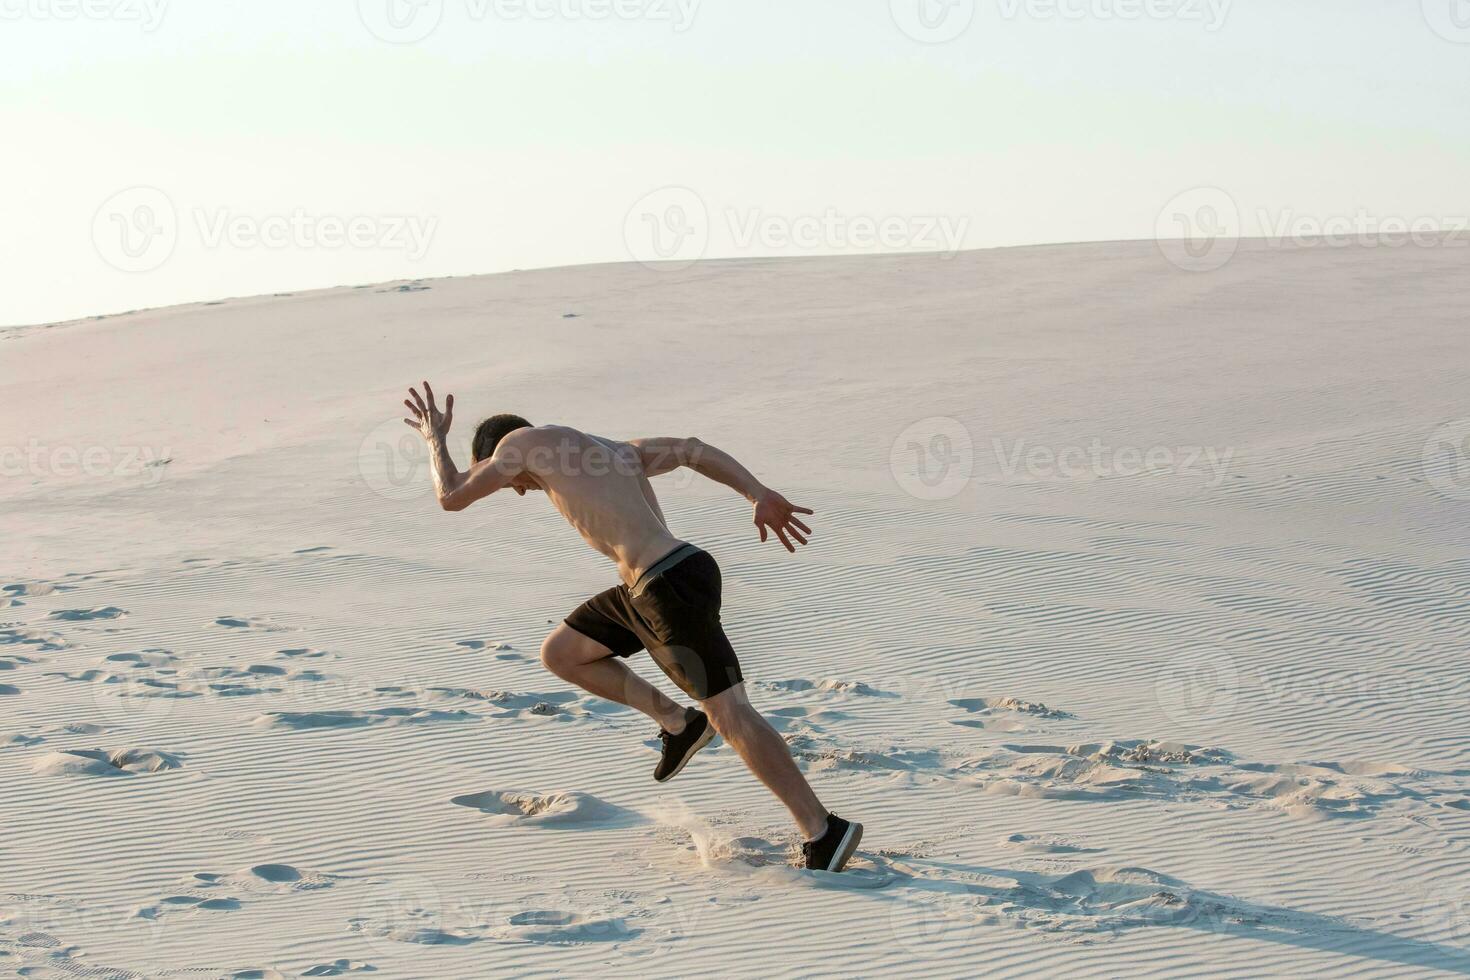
x,y
491,431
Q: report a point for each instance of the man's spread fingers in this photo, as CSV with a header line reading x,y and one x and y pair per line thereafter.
x,y
802,510
781,533
763,532
801,525
428,391
410,407
796,534
417,400
411,422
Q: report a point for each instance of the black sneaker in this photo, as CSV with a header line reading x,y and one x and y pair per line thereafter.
x,y
680,748
832,850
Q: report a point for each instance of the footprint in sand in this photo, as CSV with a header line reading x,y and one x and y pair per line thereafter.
x,y
88,615
503,651
556,927
13,634
312,720
1045,844
19,589
569,809
562,706
1003,714
211,892
336,968
1132,769
796,720
231,682
302,653
250,623
100,762
153,658
827,686
277,879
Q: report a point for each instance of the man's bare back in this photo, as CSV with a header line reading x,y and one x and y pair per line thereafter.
x,y
600,486
668,602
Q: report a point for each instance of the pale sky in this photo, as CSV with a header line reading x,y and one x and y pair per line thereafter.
x,y
162,152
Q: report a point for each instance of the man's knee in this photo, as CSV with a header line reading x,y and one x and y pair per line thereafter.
x,y
732,713
561,651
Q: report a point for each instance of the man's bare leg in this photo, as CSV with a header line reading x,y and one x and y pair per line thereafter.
x,y
766,754
582,661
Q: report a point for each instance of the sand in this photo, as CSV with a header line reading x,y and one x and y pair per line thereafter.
x,y
1134,626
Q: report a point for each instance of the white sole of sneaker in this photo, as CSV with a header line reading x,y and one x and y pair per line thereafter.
x,y
705,739
844,852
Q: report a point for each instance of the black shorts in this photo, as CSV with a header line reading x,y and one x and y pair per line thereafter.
x,y
673,611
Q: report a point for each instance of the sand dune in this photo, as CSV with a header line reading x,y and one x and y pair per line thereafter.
x,y
266,712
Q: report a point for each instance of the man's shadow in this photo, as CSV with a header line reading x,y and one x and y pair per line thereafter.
x,y
1104,902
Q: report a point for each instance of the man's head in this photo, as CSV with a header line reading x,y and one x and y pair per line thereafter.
x,y
491,431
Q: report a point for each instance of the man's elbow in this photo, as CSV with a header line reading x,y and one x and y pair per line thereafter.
x,y
452,504
691,451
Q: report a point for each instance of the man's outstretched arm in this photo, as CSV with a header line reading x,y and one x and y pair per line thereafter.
x,y
455,490
773,512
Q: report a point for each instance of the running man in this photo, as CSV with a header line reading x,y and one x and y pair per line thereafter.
x,y
668,602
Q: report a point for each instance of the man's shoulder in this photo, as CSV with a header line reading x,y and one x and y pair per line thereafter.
x,y
551,445
544,435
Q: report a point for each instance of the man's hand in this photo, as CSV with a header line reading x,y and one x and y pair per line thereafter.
x,y
431,423
774,512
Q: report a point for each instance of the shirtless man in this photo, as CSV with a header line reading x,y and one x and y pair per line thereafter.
x,y
669,599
